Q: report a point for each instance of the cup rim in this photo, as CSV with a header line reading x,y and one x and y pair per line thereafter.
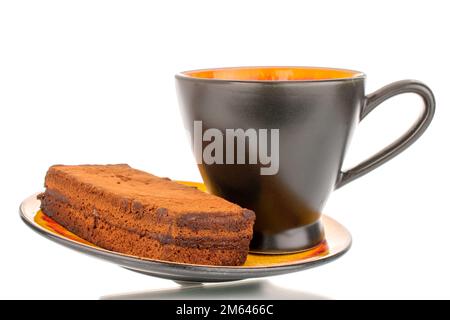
x,y
355,75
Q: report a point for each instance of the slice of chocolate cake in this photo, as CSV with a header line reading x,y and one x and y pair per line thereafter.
x,y
130,211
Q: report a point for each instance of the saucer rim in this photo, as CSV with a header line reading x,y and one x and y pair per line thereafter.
x,y
176,270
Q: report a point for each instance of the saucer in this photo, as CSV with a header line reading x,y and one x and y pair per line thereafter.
x,y
338,241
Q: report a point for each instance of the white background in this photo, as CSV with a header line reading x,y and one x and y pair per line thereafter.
x,y
92,82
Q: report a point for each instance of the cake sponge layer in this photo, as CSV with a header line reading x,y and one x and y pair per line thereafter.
x,y
133,212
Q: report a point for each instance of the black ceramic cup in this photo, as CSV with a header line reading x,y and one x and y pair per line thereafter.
x,y
307,116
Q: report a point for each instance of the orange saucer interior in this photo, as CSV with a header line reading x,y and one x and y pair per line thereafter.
x,y
253,260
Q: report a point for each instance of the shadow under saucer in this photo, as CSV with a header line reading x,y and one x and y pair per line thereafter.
x,y
250,290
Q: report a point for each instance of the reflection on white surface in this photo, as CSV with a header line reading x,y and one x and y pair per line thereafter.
x,y
254,289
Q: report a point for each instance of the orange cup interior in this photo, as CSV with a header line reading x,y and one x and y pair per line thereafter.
x,y
273,74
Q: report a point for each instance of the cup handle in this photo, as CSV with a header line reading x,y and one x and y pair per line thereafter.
x,y
415,131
